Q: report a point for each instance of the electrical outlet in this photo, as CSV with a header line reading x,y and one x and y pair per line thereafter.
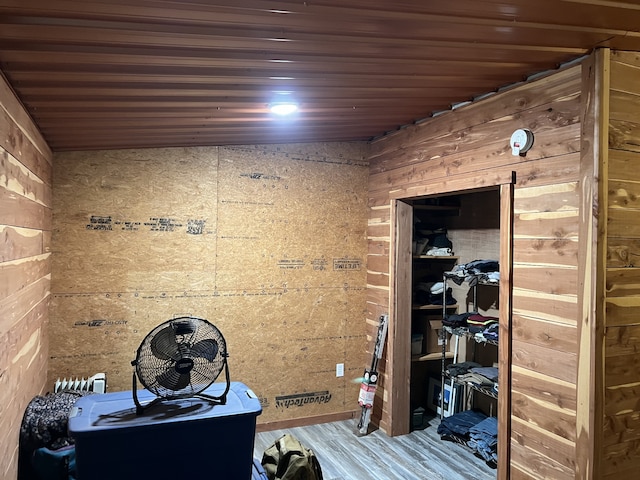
x,y
339,369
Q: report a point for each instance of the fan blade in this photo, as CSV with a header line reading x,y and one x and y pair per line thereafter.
x,y
164,345
173,380
207,348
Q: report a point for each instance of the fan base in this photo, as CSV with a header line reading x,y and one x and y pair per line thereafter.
x,y
220,400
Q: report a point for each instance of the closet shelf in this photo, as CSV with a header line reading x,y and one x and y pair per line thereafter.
x,y
433,307
430,356
436,257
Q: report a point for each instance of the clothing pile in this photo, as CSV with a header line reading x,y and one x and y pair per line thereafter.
x,y
473,321
484,328
477,271
430,293
475,430
488,334
484,440
455,369
474,374
457,320
433,242
46,450
479,323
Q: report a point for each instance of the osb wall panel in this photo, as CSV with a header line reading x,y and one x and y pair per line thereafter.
x,y
266,242
25,270
468,148
621,436
475,234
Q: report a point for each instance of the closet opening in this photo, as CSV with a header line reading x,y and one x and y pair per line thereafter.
x,y
451,321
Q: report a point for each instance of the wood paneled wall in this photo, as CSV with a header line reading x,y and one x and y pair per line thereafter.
x,y
621,430
468,148
266,242
25,270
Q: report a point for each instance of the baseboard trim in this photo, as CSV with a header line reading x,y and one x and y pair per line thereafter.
x,y
306,421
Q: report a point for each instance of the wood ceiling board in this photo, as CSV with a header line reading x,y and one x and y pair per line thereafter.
x,y
396,62
354,15
39,78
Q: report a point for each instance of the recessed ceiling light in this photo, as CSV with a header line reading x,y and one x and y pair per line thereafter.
x,y
283,108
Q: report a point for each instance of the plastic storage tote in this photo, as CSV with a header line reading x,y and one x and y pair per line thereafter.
x,y
258,472
174,439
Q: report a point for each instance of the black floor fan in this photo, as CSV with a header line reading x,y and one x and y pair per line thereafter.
x,y
180,358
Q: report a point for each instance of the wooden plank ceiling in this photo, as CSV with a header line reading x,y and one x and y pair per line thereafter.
x,y
147,73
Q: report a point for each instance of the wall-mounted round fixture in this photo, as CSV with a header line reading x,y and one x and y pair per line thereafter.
x,y
521,141
283,108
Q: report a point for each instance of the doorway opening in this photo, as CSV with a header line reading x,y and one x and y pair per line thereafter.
x,y
437,239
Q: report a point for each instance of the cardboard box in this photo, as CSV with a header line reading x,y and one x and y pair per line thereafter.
x,y
434,344
417,341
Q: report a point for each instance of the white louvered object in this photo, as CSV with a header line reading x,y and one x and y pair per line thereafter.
x,y
95,383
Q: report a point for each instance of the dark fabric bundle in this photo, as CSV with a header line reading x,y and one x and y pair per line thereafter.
x,y
459,425
44,425
456,369
456,320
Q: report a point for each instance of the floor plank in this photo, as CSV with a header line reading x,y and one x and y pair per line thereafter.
x,y
419,455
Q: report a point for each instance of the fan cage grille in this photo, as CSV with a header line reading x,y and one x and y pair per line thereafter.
x,y
185,344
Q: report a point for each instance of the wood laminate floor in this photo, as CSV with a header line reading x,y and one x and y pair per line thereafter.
x,y
420,455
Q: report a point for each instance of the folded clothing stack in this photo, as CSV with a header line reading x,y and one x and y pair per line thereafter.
x,y
439,252
488,334
475,379
433,242
430,293
483,439
474,374
457,320
477,322
475,430
456,427
455,369
490,373
480,377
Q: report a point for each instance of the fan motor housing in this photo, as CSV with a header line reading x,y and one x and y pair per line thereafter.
x,y
184,365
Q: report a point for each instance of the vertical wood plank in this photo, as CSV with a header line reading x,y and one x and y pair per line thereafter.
x,y
400,317
620,443
591,264
504,348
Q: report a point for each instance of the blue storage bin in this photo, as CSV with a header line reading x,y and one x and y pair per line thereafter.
x,y
174,439
258,472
